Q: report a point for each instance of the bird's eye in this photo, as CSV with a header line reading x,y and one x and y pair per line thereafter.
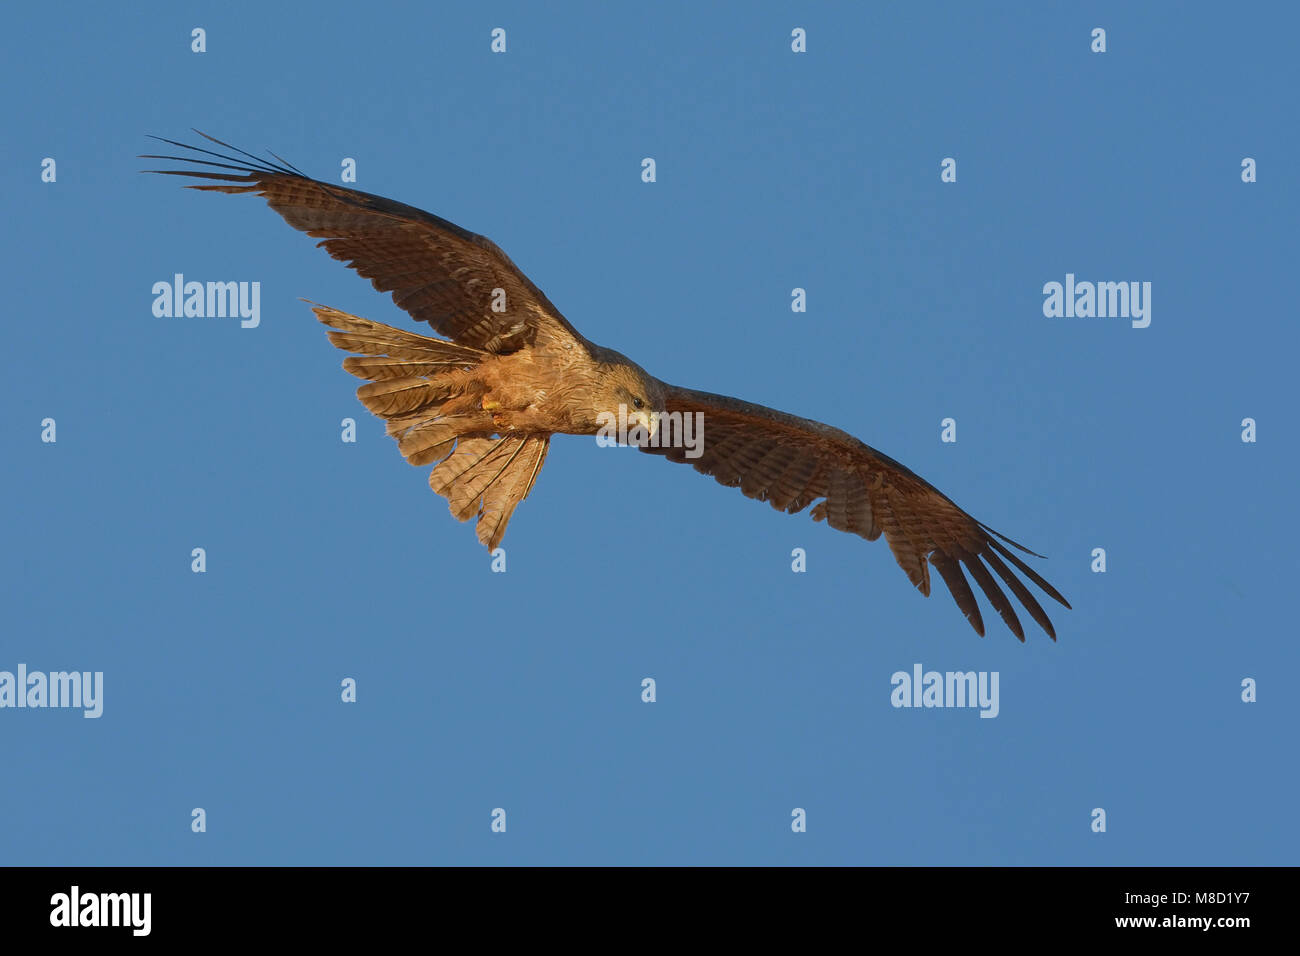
x,y
637,403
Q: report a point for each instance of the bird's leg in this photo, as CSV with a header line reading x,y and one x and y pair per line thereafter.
x,y
492,405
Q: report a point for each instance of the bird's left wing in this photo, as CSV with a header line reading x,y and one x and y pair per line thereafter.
x,y
459,282
790,462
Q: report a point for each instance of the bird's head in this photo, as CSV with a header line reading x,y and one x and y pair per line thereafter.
x,y
627,386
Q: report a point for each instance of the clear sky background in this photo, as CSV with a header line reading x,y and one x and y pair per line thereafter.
x,y
522,690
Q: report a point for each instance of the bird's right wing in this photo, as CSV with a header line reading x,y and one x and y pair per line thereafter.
x,y
790,462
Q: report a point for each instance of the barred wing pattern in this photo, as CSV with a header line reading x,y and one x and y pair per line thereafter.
x,y
792,462
436,271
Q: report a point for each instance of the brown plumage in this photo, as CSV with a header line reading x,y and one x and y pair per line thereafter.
x,y
482,408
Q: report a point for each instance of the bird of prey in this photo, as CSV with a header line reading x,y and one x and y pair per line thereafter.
x,y
482,407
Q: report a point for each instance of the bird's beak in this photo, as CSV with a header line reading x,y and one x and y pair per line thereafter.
x,y
645,418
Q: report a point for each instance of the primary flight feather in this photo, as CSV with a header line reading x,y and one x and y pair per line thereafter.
x,y
482,407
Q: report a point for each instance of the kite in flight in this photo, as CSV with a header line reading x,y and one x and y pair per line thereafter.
x,y
482,407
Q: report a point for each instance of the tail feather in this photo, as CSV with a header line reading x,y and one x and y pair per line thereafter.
x,y
396,396
379,368
432,439
374,339
487,478
427,392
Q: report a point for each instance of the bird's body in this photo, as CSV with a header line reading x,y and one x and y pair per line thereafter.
x,y
482,407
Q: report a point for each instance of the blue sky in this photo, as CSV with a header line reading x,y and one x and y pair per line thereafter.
x,y
522,690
